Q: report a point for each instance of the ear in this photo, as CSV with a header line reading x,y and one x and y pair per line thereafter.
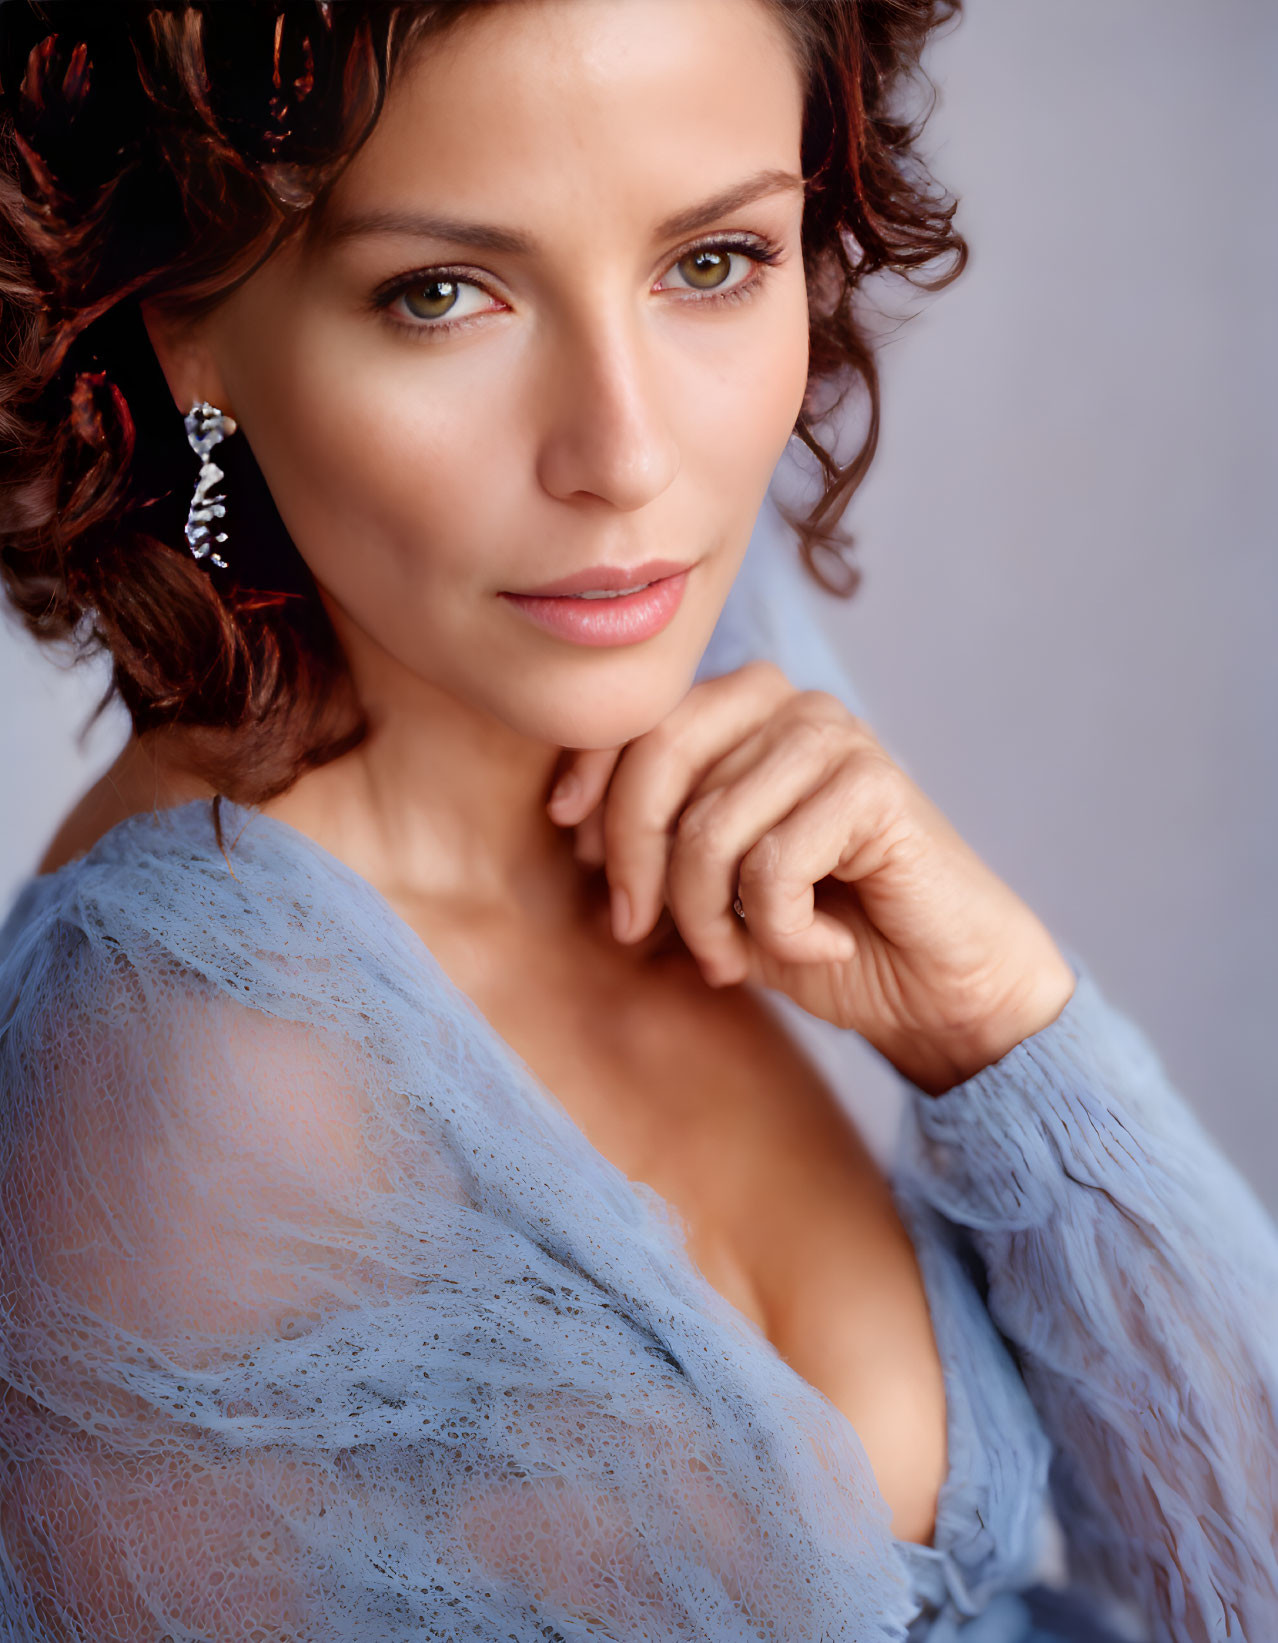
x,y
186,358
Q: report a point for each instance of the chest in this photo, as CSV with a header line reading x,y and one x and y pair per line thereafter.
x,y
702,1094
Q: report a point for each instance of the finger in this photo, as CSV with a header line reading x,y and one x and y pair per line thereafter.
x,y
725,827
653,779
582,782
816,840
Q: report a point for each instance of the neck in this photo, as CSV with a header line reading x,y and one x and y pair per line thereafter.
x,y
442,802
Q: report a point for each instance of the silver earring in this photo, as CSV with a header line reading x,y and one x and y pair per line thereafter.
x,y
205,427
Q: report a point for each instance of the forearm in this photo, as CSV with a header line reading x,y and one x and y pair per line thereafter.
x,y
1136,1276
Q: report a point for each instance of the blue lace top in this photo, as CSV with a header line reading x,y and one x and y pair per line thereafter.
x,y
323,1320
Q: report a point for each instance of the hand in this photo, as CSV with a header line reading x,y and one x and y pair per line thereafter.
x,y
862,902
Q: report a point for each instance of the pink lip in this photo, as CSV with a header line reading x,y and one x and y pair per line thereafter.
x,y
620,621
604,577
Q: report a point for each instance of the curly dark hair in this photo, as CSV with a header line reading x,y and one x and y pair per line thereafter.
x,y
164,151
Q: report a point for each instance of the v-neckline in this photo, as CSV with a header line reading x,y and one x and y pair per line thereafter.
x,y
406,936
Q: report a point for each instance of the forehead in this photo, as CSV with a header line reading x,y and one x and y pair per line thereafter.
x,y
612,108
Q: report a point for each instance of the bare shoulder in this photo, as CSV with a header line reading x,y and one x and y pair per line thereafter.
x,y
143,777
96,812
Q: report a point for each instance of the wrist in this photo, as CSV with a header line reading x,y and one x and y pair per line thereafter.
x,y
936,1066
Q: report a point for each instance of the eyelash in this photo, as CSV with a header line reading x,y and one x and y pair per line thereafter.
x,y
761,251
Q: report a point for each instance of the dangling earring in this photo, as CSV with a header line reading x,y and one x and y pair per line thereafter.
x,y
205,427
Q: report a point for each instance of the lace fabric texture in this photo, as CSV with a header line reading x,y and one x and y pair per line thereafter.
x,y
1135,1273
321,1320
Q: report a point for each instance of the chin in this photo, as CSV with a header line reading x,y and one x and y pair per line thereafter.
x,y
600,711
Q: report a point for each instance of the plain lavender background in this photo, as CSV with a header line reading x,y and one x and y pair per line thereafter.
x,y
1066,628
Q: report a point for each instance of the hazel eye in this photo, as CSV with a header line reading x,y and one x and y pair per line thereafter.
x,y
436,299
433,300
708,268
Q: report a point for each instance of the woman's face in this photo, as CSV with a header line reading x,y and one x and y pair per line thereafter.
x,y
553,379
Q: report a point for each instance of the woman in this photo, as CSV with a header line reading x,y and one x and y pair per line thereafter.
x,y
417,1220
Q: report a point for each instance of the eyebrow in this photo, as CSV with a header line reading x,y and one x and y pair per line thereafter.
x,y
488,237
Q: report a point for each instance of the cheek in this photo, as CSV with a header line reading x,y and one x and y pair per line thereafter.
x,y
386,451
758,383
403,470
790,356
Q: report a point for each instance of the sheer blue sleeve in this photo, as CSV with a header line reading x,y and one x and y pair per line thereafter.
x,y
1134,1274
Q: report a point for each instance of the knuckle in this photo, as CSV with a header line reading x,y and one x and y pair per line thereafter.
x,y
827,708
866,736
871,771
768,672
762,861
818,735
672,741
874,788
658,742
702,826
762,680
824,704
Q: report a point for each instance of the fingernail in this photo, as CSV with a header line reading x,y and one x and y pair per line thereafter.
x,y
567,787
620,912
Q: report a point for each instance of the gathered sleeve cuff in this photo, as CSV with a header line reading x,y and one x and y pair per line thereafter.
x,y
1134,1273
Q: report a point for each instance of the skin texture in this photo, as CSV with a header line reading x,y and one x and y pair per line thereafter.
x,y
598,406
859,899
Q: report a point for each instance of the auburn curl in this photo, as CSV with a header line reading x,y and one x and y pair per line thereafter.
x,y
164,151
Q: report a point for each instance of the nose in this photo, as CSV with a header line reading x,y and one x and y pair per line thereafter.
x,y
606,432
